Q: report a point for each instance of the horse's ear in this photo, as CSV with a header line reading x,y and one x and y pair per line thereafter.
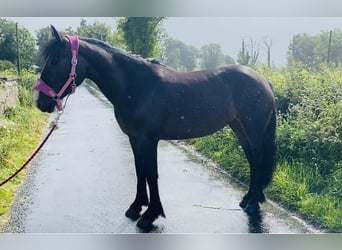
x,y
56,34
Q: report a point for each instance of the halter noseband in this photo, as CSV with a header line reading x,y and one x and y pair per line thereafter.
x,y
47,90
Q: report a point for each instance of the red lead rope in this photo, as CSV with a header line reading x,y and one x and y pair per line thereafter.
x,y
54,126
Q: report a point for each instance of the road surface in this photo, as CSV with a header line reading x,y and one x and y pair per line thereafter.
x,y
83,181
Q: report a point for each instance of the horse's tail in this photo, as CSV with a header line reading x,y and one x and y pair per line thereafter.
x,y
269,150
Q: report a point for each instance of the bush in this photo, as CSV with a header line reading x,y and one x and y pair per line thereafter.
x,y
26,82
6,65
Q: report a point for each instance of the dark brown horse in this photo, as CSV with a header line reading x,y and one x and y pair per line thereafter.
x,y
153,102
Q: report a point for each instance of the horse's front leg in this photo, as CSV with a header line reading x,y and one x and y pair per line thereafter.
x,y
141,198
145,155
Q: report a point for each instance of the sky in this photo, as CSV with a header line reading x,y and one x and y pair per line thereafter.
x,y
226,31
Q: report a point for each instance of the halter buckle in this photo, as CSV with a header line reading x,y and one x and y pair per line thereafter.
x,y
73,87
74,61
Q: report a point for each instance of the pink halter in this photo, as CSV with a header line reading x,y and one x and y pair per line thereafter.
x,y
47,90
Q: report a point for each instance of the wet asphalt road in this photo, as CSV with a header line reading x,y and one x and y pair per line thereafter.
x,y
84,180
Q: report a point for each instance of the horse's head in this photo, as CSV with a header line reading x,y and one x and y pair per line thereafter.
x,y
62,71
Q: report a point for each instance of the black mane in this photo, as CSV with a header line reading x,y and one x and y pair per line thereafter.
x,y
53,47
109,48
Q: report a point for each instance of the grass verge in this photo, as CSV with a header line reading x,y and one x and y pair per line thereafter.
x,y
21,129
296,186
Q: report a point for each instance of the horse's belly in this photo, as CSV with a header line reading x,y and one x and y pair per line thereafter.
x,y
186,127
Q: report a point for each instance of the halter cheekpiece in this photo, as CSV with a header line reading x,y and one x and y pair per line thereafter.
x,y
47,90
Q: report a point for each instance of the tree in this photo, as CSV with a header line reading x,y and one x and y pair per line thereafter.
x,y
8,44
179,55
248,55
96,30
27,48
304,49
7,40
212,56
69,31
142,34
314,50
184,57
189,57
268,45
228,60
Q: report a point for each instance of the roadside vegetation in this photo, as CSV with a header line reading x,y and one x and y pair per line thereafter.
x,y
308,177
21,129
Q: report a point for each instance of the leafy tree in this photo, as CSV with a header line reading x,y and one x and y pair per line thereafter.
x,y
96,30
142,34
312,50
212,56
8,44
303,48
189,57
7,40
179,55
27,48
185,57
70,31
227,59
102,32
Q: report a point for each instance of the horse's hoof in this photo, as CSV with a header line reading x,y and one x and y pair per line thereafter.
x,y
243,203
245,200
252,208
133,214
145,224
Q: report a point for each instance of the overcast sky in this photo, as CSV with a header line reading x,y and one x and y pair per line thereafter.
x,y
226,31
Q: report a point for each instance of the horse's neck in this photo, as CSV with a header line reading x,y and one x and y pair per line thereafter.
x,y
103,71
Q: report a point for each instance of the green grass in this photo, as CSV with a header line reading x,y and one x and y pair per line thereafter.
x,y
296,186
21,129
303,189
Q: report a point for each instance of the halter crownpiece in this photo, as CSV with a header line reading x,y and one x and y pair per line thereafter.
x,y
47,90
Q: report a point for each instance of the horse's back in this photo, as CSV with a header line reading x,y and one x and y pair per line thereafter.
x,y
199,103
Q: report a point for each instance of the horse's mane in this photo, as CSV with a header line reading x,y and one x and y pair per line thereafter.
x,y
50,48
53,47
120,52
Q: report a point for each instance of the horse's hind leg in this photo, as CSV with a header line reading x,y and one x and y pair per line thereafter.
x,y
251,155
259,146
263,167
255,195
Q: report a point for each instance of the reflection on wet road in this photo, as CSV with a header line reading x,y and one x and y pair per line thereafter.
x,y
84,180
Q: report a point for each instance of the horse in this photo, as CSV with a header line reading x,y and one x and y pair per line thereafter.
x,y
153,102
